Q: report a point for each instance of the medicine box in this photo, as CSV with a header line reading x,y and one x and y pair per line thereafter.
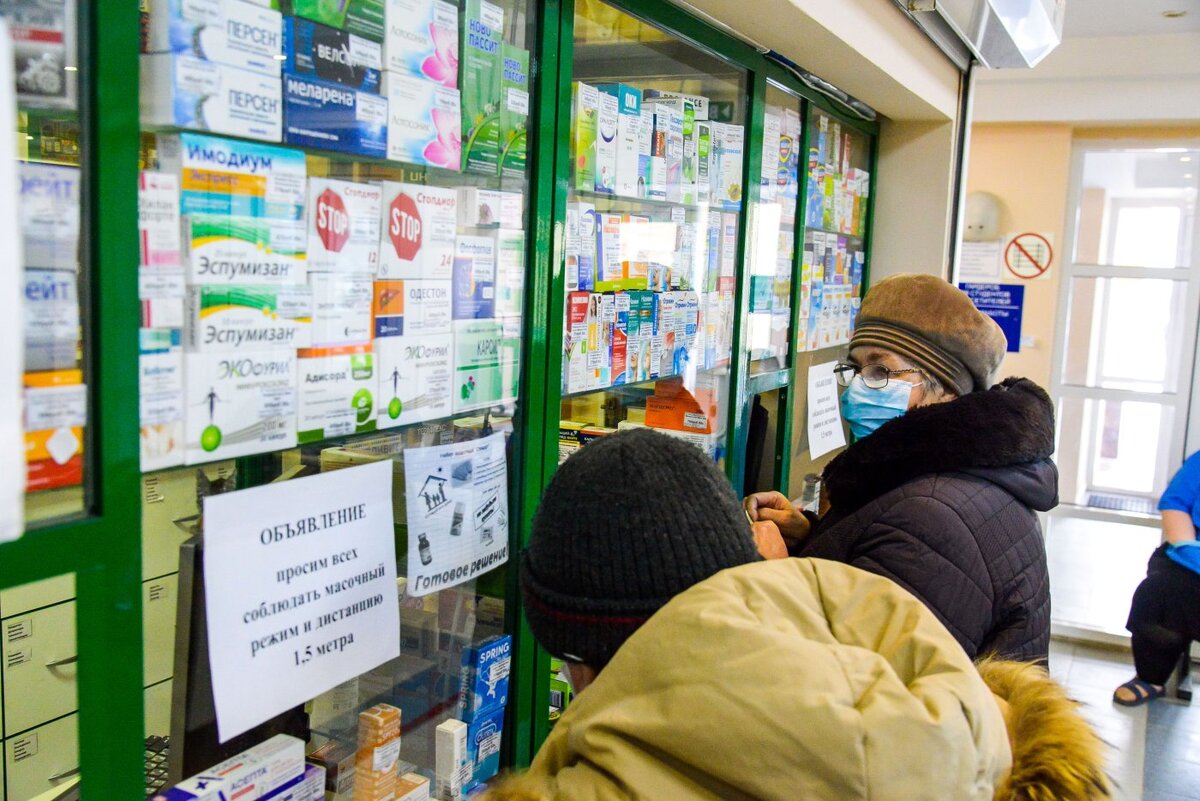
x,y
481,72
645,147
629,128
422,40
224,249
55,414
575,341
363,18
414,378
263,772
489,208
514,110
669,122
729,143
160,398
313,785
418,231
426,307
226,176
474,278
610,271
158,221
485,362
424,122
607,118
343,226
341,309
484,735
585,110
49,215
320,114
239,403
51,307
412,787
313,50
45,52
510,272
250,316
485,672
452,762
337,390
184,92
703,135
698,103
230,32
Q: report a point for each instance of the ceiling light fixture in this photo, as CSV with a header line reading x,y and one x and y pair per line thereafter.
x,y
1174,14
1185,158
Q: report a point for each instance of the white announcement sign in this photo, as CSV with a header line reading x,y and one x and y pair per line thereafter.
x,y
457,498
825,431
300,590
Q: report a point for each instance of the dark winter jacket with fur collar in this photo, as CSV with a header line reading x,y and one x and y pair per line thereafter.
x,y
943,501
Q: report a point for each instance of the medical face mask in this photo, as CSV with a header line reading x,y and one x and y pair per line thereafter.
x,y
866,409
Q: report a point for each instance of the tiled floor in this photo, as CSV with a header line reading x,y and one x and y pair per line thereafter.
x,y
1155,748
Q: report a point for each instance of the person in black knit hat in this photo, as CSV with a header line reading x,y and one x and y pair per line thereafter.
x,y
626,524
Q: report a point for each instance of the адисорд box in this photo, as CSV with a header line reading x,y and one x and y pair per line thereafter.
x,y
184,92
231,32
313,50
336,390
424,122
422,40
417,240
256,317
343,226
328,116
414,378
239,403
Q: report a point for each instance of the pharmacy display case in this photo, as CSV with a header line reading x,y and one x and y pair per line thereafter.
x,y
337,235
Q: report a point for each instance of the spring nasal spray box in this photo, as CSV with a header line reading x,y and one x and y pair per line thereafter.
x,y
238,403
482,72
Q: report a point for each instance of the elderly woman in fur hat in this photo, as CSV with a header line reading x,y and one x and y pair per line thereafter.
x,y
703,673
941,488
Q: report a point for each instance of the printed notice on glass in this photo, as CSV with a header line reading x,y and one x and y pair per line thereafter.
x,y
457,497
980,261
300,590
825,432
12,327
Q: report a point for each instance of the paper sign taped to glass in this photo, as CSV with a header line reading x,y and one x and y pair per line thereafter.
x,y
457,498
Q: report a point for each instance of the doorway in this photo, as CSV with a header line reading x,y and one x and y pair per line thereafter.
x,y
1124,368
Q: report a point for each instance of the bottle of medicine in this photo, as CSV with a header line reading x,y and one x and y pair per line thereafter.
x,y
423,549
810,498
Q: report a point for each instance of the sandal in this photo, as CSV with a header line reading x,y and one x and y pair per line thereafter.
x,y
1142,691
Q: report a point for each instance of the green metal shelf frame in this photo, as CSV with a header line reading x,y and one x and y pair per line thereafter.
x,y
103,548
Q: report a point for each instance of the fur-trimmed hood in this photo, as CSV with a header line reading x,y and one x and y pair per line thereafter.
x,y
1004,435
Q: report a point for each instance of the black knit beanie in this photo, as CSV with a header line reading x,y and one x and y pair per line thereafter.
x,y
626,524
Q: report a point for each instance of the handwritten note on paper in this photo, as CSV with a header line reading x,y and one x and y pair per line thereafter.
x,y
825,432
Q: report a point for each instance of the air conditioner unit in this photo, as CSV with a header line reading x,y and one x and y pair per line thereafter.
x,y
1000,33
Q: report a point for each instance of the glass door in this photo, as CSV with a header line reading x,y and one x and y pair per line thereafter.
x,y
352,184
653,222
1123,373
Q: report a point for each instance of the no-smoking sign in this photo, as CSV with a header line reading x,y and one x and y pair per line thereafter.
x,y
1028,256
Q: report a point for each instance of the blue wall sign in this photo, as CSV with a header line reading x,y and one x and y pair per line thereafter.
x,y
1004,304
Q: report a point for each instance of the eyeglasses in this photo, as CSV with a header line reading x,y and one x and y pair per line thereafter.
x,y
874,376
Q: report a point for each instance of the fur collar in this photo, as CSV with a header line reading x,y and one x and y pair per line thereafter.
x,y
1010,424
1057,756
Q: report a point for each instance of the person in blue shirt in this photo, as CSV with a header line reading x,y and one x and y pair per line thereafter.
x,y
1164,617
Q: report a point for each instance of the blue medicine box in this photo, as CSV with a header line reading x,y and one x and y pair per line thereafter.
x,y
485,669
313,50
328,116
483,745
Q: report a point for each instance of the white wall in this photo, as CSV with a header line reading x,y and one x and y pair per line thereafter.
x,y
1103,80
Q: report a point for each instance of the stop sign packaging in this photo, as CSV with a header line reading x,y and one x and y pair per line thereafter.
x,y
343,226
418,231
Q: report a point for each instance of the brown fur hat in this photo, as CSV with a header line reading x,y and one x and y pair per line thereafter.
x,y
935,325
1056,754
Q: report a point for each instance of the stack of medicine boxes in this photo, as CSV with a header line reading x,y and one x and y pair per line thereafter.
x,y
333,59
482,698
214,65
